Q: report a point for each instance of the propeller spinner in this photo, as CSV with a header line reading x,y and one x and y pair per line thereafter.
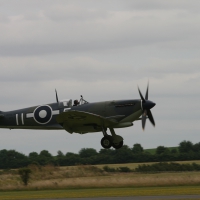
x,y
146,106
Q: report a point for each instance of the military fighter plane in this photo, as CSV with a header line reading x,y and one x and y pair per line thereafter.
x,y
83,117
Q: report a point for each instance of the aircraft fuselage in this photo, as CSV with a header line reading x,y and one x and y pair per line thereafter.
x,y
44,116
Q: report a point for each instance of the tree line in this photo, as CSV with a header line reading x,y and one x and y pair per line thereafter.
x,y
11,159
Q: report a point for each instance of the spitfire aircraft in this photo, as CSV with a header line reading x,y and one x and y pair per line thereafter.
x,y
83,117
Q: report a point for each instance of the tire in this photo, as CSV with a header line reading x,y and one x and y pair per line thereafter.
x,y
106,142
119,145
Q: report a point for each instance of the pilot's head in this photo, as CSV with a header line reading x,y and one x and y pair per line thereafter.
x,y
76,102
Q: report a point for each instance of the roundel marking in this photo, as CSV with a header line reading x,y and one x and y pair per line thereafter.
x,y
42,114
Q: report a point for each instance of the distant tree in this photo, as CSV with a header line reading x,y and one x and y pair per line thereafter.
x,y
60,154
196,147
60,158
174,151
72,159
105,156
11,159
33,157
68,154
45,158
109,152
144,157
137,148
123,155
185,146
45,153
87,152
104,159
161,149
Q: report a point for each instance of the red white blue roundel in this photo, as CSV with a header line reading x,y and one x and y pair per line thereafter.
x,y
42,114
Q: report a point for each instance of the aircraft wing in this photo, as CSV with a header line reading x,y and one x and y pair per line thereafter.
x,y
72,119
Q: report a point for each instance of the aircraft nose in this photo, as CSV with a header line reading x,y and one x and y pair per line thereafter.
x,y
148,105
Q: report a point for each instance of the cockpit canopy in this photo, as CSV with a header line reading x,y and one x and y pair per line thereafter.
x,y
66,103
82,101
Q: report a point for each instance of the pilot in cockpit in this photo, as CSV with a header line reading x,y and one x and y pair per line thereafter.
x,y
76,102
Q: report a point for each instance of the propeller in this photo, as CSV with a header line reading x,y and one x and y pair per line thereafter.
x,y
56,96
146,106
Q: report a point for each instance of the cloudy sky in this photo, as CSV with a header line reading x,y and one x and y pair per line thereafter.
x,y
102,50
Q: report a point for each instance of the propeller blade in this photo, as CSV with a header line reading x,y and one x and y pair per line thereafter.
x,y
147,92
144,117
150,116
146,105
141,95
56,96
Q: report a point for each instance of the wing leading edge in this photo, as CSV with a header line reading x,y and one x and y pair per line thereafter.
x,y
79,120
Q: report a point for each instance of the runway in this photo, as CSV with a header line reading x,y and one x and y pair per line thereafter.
x,y
171,197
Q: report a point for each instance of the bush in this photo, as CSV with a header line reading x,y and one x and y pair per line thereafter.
x,y
164,166
25,175
109,169
124,169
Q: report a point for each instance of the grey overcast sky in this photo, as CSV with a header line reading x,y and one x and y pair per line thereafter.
x,y
102,50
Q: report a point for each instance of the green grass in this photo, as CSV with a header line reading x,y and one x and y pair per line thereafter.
x,y
151,151
99,192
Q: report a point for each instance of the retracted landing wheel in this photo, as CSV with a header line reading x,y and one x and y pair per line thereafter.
x,y
106,142
118,145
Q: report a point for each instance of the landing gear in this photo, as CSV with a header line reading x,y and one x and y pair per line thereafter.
x,y
118,145
115,140
106,142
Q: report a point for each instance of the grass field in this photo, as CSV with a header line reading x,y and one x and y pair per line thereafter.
x,y
92,181
106,192
50,177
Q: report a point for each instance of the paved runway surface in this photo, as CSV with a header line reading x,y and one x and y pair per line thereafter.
x,y
137,198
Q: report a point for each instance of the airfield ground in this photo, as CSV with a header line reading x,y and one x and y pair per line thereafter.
x,y
105,192
91,181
